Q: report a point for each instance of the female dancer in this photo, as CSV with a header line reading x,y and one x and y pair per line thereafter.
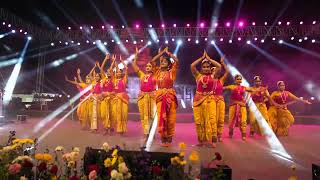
x,y
96,99
107,94
260,99
237,108
146,98
219,100
204,105
166,99
82,110
121,98
280,117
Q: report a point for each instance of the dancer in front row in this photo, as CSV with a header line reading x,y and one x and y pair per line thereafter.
x,y
237,107
280,117
146,99
204,104
166,98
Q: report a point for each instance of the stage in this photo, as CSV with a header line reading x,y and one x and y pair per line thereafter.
x,y
250,159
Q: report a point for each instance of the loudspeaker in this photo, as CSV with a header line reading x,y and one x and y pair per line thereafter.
x,y
315,172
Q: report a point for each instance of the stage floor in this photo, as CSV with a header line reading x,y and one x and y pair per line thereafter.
x,y
250,159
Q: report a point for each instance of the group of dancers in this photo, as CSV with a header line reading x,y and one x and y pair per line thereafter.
x,y
105,99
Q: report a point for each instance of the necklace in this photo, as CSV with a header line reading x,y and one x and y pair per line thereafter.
x,y
146,78
283,97
215,86
204,84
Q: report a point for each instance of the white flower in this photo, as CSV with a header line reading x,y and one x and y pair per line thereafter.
x,y
127,176
114,174
74,156
76,149
119,176
105,146
59,148
123,168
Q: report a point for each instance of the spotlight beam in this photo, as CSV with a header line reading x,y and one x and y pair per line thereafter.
x,y
161,17
237,17
198,17
317,55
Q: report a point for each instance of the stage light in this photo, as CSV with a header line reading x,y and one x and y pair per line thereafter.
x,y
52,44
149,43
134,42
80,27
72,42
305,38
105,43
166,42
172,39
69,27
292,38
29,37
179,42
102,27
300,40
91,27
60,42
87,41
255,39
253,23
68,96
205,39
13,31
9,25
141,40
202,25
301,22
265,23
174,25
262,41
20,30
239,38
312,98
221,39
162,25
313,40
188,25
137,26
279,22
158,40
93,42
3,23
212,42
215,24
280,41
58,28
230,41
25,33
150,25
60,95
288,23
183,103
273,39
248,42
78,44
127,40
111,27
189,39
197,41
66,43
122,26
314,22
112,40
228,24
240,24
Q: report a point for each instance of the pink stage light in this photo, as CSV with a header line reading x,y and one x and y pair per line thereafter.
x,y
221,39
189,39
288,23
91,27
137,26
241,24
314,22
301,22
150,25
102,27
279,22
69,27
174,25
111,27
265,23
215,24
188,25
228,24
202,25
239,38
80,27
253,23
162,25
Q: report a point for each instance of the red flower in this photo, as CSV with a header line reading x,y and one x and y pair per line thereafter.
x,y
73,178
218,156
54,170
27,164
42,166
93,167
156,170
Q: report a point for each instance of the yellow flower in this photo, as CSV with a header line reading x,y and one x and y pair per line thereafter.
x,y
182,146
71,163
114,160
29,141
115,152
16,141
23,178
74,156
76,149
175,160
59,148
54,178
181,154
47,157
194,156
183,163
107,162
293,178
120,159
39,157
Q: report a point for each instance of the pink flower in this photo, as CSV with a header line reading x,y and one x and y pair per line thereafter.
x,y
14,168
93,175
66,157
